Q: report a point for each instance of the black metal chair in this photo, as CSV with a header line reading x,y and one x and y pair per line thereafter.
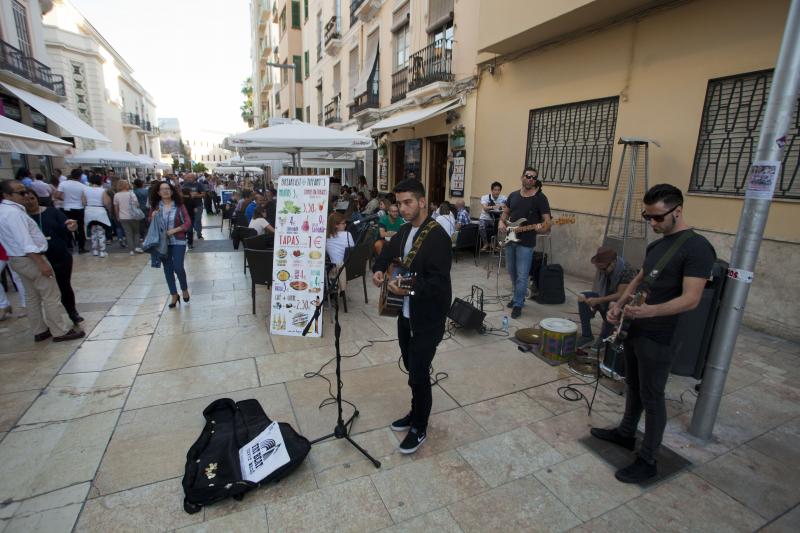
x,y
240,234
260,263
356,260
468,238
227,211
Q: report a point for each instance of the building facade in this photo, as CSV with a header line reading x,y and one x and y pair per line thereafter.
x,y
99,84
263,30
559,85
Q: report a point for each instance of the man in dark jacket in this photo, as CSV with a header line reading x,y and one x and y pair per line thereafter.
x,y
425,250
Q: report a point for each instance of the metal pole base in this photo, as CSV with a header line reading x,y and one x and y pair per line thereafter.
x,y
342,431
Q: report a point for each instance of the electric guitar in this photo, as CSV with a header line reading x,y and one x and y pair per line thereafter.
x,y
513,227
390,304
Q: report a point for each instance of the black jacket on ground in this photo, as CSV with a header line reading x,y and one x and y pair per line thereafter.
x,y
432,290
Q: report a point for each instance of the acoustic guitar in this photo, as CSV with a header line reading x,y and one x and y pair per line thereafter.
x,y
514,227
390,304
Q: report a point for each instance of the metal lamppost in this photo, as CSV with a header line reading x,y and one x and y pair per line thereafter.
x,y
291,67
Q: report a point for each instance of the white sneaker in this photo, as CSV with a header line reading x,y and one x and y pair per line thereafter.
x,y
95,253
130,253
139,250
103,254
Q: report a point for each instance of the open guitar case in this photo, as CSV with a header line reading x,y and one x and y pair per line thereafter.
x,y
213,471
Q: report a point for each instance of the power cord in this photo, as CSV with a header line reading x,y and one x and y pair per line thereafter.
x,y
571,393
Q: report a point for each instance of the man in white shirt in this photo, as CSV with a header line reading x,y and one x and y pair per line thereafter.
x,y
25,245
492,205
61,176
71,192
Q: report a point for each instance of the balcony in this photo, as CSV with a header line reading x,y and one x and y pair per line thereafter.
x,y
431,70
399,84
132,120
333,38
13,60
364,10
332,113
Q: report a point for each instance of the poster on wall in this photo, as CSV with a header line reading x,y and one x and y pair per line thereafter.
x,y
298,265
383,175
412,159
457,172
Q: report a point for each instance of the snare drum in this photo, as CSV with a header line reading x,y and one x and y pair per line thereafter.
x,y
559,337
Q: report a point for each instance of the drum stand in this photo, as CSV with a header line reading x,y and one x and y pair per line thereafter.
x,y
342,429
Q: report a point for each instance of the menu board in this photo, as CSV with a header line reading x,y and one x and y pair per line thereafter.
x,y
298,268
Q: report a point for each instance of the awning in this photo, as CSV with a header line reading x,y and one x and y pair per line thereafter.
x,y
369,64
409,118
104,156
60,115
17,137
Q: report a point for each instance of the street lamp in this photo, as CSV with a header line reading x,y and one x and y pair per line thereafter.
x,y
289,66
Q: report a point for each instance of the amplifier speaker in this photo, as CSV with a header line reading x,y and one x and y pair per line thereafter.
x,y
465,315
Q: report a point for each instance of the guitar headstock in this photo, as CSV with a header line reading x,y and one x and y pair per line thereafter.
x,y
566,219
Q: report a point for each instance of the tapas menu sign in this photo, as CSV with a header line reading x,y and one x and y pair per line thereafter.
x,y
298,268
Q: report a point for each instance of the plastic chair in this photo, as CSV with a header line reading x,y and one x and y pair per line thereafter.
x,y
260,263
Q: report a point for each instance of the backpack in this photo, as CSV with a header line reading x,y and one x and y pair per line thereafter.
x,y
213,471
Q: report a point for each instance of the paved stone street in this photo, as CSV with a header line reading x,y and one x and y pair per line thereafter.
x,y
93,433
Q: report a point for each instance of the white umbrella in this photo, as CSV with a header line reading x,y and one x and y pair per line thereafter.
x,y
17,137
105,157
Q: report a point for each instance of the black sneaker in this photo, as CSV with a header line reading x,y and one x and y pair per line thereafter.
x,y
637,472
516,312
43,336
510,304
76,319
403,424
614,436
413,440
71,335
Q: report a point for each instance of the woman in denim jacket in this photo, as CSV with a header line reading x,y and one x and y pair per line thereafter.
x,y
169,213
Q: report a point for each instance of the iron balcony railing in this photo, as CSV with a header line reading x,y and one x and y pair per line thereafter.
x,y
331,30
332,113
133,119
431,64
369,98
354,5
14,60
399,84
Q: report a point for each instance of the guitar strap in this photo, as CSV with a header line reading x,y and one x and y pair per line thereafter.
x,y
652,276
419,237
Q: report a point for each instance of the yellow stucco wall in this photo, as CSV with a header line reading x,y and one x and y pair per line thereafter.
x,y
660,66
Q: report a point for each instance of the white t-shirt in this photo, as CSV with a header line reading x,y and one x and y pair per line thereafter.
x,y
259,224
123,200
406,249
73,193
498,202
335,246
447,222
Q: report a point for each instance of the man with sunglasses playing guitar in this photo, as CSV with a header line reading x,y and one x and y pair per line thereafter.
x,y
673,275
531,204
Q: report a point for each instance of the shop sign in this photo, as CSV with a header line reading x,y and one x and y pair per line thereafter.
x,y
457,173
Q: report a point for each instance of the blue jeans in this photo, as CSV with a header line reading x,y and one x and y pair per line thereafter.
x,y
173,264
586,313
518,261
197,223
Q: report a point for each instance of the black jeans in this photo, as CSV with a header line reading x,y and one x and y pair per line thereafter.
x,y
587,313
77,216
417,351
647,365
62,268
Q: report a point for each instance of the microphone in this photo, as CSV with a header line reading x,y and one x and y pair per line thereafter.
x,y
368,218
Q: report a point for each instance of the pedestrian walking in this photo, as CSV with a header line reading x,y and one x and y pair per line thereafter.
x,y
127,210
70,192
173,221
26,245
96,203
6,311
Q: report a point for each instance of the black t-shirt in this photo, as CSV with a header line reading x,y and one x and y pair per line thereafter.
x,y
51,221
532,209
694,259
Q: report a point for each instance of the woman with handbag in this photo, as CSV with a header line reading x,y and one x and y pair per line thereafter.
x,y
128,213
170,216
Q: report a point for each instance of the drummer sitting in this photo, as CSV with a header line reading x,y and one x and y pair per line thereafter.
x,y
612,278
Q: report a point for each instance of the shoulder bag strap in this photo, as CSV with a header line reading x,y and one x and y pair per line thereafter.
x,y
652,276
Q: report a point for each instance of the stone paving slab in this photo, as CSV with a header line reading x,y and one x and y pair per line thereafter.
x,y
93,433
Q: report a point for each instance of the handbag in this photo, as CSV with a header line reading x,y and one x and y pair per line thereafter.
x,y
136,212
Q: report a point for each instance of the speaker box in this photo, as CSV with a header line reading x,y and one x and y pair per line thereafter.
x,y
465,315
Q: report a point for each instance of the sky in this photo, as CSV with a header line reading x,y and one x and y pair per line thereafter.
x,y
191,55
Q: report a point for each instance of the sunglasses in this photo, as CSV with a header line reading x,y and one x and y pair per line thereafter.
x,y
530,177
659,218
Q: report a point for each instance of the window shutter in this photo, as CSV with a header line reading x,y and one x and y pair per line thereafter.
x,y
401,16
305,9
439,12
298,66
296,14
306,66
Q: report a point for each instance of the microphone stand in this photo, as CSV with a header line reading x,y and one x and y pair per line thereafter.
x,y
342,429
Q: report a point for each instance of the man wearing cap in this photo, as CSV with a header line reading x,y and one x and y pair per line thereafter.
x,y
613,276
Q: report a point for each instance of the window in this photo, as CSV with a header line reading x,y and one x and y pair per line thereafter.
x,y
305,10
298,68
319,36
352,69
728,139
283,20
401,48
306,66
296,14
308,114
571,144
298,113
21,24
